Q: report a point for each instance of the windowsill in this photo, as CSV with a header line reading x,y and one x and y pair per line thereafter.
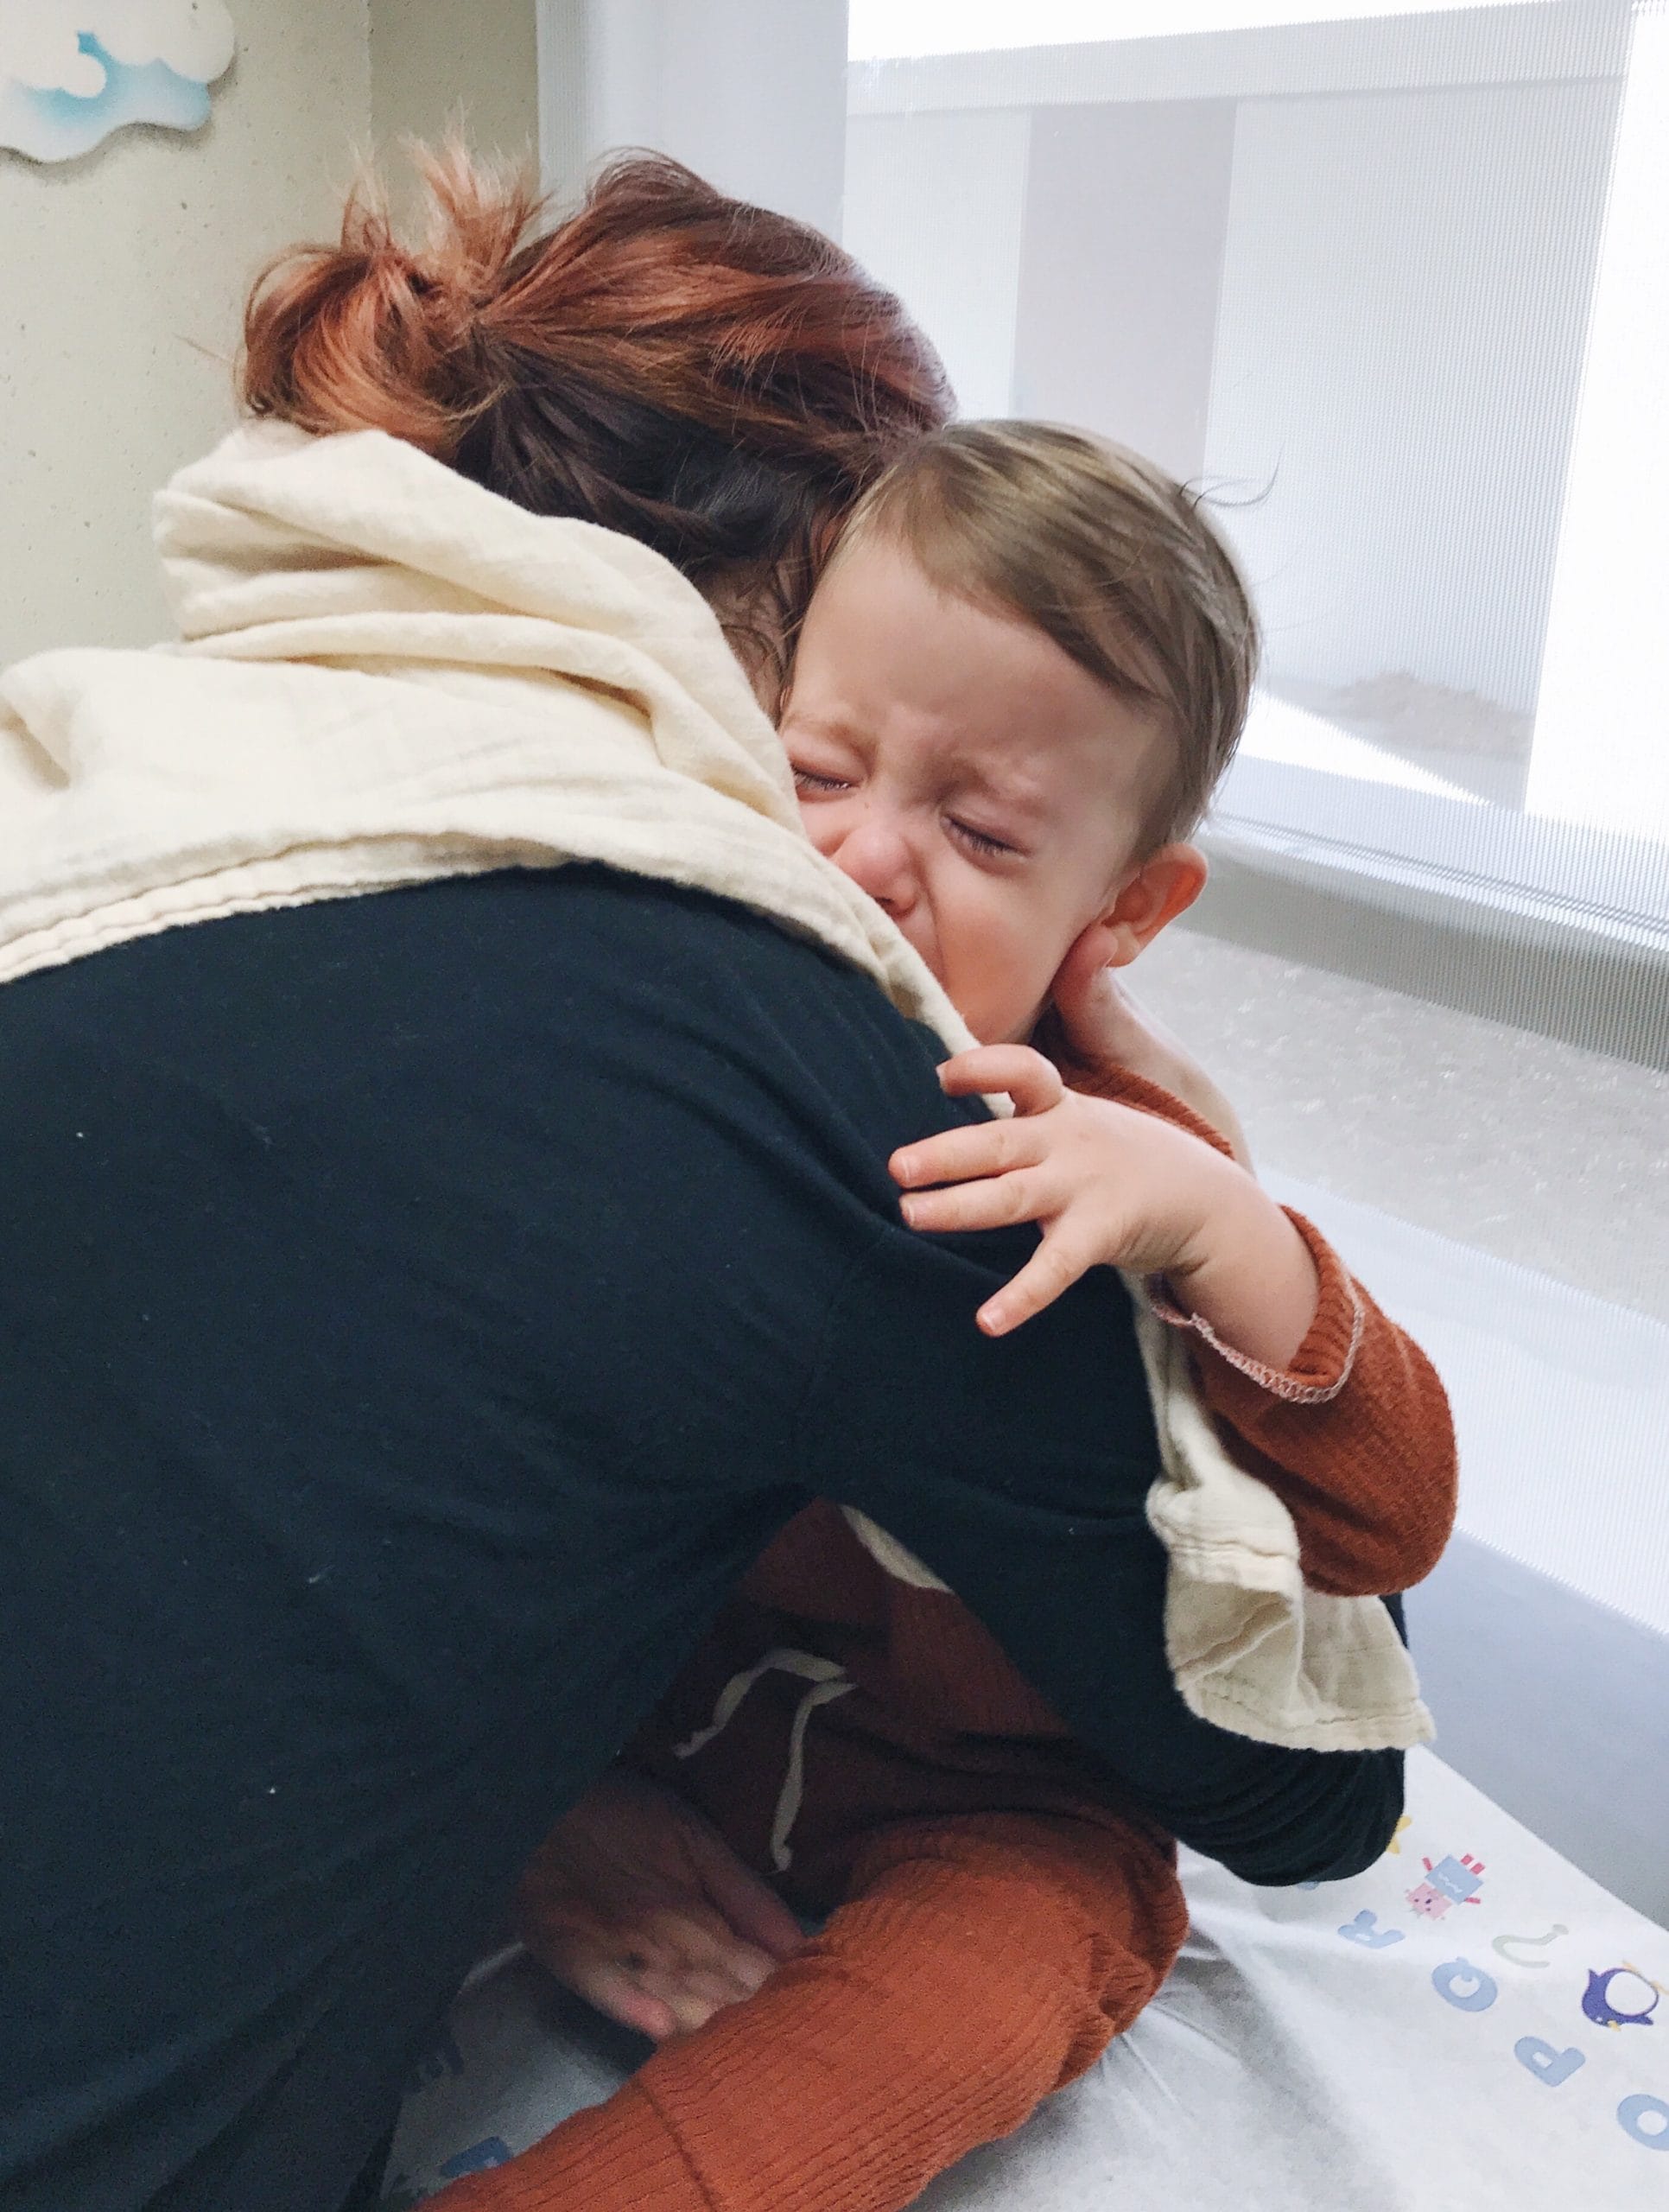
x,y
1427,892
1417,836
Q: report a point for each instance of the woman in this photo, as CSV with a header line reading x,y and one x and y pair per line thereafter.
x,y
511,394
361,1275
500,364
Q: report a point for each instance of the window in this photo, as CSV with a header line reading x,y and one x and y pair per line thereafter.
x,y
1393,291
1393,288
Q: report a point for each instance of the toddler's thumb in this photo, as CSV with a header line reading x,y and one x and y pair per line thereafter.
x,y
1089,1015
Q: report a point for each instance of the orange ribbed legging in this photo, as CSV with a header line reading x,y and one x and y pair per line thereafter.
x,y
979,1963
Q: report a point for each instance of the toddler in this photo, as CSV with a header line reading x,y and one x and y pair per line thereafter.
x,y
1017,684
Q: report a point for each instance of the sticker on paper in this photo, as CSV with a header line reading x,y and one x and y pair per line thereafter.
x,y
1612,1999
1452,1881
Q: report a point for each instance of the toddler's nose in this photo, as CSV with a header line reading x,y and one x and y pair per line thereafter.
x,y
878,859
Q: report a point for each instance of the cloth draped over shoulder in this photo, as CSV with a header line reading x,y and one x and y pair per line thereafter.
x,y
386,675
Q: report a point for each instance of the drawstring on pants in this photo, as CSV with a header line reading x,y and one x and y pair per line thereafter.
x,y
827,1681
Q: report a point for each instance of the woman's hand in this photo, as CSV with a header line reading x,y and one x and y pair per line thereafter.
x,y
1112,1187
639,1906
1094,1024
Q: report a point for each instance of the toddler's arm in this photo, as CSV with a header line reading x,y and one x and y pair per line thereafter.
x,y
1354,1435
979,1964
1322,1395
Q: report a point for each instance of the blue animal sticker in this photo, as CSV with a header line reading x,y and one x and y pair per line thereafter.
x,y
1601,1998
1452,1881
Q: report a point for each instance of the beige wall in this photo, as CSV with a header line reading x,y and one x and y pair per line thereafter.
x,y
435,61
122,276
114,271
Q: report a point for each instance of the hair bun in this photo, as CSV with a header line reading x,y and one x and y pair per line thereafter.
x,y
714,380
371,333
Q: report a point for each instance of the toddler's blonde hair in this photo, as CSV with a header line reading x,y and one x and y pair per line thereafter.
x,y
1105,554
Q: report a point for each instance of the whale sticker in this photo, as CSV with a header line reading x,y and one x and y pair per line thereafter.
x,y
1612,1999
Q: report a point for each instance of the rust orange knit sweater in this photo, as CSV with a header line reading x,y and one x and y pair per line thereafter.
x,y
995,1918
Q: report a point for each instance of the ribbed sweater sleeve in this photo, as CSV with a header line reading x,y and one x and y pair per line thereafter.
x,y
980,1964
1355,1439
1355,1436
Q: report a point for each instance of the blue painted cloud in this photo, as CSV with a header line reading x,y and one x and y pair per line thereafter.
x,y
73,71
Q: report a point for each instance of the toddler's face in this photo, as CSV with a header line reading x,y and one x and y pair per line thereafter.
x,y
969,775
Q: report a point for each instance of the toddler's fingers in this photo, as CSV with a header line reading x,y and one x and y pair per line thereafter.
x,y
954,1155
1033,1083
1055,1266
992,1202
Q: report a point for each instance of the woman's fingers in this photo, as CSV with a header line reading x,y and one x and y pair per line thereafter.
x,y
1054,1267
696,1945
1033,1083
638,1904
1084,994
660,2001
655,1967
1098,1020
693,1997
667,1976
750,1908
617,1993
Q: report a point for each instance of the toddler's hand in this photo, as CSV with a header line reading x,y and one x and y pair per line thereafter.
x,y
639,1906
1095,1023
1112,1187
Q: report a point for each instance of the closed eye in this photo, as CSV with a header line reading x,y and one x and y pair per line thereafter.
x,y
805,781
978,842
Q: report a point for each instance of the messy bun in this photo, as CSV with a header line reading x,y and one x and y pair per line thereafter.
x,y
369,334
716,380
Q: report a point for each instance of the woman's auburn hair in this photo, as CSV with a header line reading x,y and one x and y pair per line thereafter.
x,y
718,382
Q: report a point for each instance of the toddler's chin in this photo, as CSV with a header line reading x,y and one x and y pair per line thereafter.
x,y
1005,1025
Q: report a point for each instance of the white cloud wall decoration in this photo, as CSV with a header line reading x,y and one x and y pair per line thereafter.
x,y
73,71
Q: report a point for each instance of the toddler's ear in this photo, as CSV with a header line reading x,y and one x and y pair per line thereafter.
x,y
1165,885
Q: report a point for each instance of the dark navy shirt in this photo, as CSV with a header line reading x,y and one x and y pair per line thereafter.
x,y
415,1313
